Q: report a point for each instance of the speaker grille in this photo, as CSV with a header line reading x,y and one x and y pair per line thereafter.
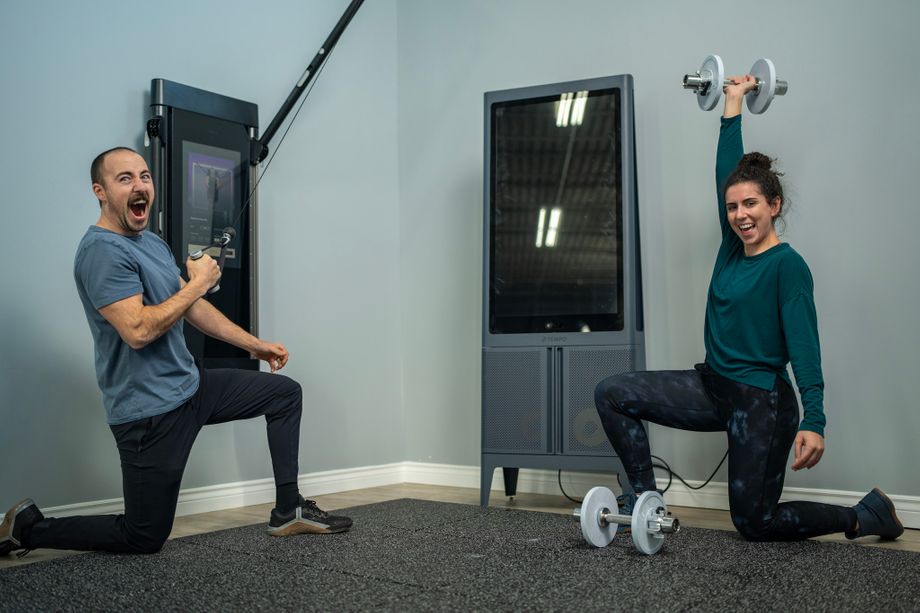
x,y
584,368
515,409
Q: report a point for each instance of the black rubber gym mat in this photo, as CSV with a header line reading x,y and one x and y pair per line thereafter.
x,y
413,555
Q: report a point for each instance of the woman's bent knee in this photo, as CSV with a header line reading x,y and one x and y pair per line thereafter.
x,y
756,531
607,392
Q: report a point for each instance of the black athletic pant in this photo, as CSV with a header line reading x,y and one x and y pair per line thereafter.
x,y
154,452
761,426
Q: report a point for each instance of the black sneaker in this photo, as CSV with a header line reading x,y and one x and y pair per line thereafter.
x,y
306,518
877,517
23,514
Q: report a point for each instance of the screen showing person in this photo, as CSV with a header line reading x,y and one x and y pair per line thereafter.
x,y
211,187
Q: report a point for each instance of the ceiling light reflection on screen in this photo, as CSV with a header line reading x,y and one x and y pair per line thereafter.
x,y
555,217
571,109
540,223
562,109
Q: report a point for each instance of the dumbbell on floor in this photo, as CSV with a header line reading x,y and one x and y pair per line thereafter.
x,y
650,520
708,81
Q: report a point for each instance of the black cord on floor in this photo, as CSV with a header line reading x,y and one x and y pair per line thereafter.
x,y
663,466
561,489
672,474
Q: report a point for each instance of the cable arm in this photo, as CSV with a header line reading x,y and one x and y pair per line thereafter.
x,y
258,148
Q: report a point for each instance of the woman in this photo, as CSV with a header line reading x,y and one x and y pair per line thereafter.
x,y
760,315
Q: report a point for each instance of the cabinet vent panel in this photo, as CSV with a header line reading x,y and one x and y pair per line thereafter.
x,y
585,368
514,396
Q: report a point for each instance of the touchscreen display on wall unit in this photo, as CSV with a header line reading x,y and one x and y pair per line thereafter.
x,y
211,188
556,246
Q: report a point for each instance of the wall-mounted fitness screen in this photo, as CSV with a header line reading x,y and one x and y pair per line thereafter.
x,y
201,162
204,151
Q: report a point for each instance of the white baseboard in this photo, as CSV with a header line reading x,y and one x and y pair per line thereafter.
x,y
713,496
245,493
261,491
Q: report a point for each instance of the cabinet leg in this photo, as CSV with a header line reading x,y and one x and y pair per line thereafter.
x,y
511,475
485,483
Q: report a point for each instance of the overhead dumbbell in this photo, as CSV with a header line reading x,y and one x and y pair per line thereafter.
x,y
650,520
708,81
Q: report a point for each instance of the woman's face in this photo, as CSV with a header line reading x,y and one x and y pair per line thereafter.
x,y
751,216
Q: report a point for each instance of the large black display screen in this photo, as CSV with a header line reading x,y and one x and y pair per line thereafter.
x,y
556,261
209,186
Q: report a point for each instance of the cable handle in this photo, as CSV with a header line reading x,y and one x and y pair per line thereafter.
x,y
224,240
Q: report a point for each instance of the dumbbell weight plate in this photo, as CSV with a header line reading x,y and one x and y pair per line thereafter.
x,y
645,510
713,66
765,72
596,501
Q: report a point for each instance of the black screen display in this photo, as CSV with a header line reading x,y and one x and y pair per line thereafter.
x,y
209,184
556,248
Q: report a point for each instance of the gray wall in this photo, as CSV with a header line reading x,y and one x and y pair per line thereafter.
x,y
846,134
371,215
75,80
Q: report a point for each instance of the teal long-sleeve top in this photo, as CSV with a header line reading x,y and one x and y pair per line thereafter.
x,y
760,311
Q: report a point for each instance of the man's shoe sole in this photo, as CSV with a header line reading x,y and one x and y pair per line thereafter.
x,y
301,526
9,524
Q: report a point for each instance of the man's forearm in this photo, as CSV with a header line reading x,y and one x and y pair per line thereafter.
x,y
205,316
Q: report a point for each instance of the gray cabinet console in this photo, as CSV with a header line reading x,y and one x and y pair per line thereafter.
x,y
562,302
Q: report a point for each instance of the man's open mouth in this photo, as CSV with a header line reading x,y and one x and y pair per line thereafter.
x,y
138,208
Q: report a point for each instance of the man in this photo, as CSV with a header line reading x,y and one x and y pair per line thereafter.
x,y
156,397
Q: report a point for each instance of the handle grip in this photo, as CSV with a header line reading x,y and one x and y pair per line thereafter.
x,y
224,241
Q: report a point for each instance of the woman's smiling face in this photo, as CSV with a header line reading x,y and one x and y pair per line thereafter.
x,y
751,216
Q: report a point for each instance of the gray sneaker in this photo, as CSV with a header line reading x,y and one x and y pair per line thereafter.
x,y
22,515
306,518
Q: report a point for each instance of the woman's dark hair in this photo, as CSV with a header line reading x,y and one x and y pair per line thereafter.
x,y
758,168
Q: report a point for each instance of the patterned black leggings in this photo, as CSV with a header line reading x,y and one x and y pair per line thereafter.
x,y
761,427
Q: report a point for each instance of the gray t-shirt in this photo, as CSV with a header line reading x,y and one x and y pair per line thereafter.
x,y
139,383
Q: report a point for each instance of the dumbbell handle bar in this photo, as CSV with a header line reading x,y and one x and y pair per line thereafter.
x,y
701,83
665,524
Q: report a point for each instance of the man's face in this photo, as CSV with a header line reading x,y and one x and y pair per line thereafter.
x,y
126,192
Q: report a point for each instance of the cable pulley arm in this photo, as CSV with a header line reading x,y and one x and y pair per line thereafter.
x,y
259,147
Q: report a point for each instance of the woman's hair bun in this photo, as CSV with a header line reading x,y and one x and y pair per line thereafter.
x,y
757,160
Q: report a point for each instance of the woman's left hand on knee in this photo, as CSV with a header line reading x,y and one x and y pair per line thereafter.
x,y
808,449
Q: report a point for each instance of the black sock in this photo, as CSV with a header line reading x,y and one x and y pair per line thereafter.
x,y
287,497
850,514
24,536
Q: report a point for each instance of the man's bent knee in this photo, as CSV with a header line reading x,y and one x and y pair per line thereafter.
x,y
289,387
148,536
145,544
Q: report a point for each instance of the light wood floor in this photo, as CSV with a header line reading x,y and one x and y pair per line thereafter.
x,y
219,520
